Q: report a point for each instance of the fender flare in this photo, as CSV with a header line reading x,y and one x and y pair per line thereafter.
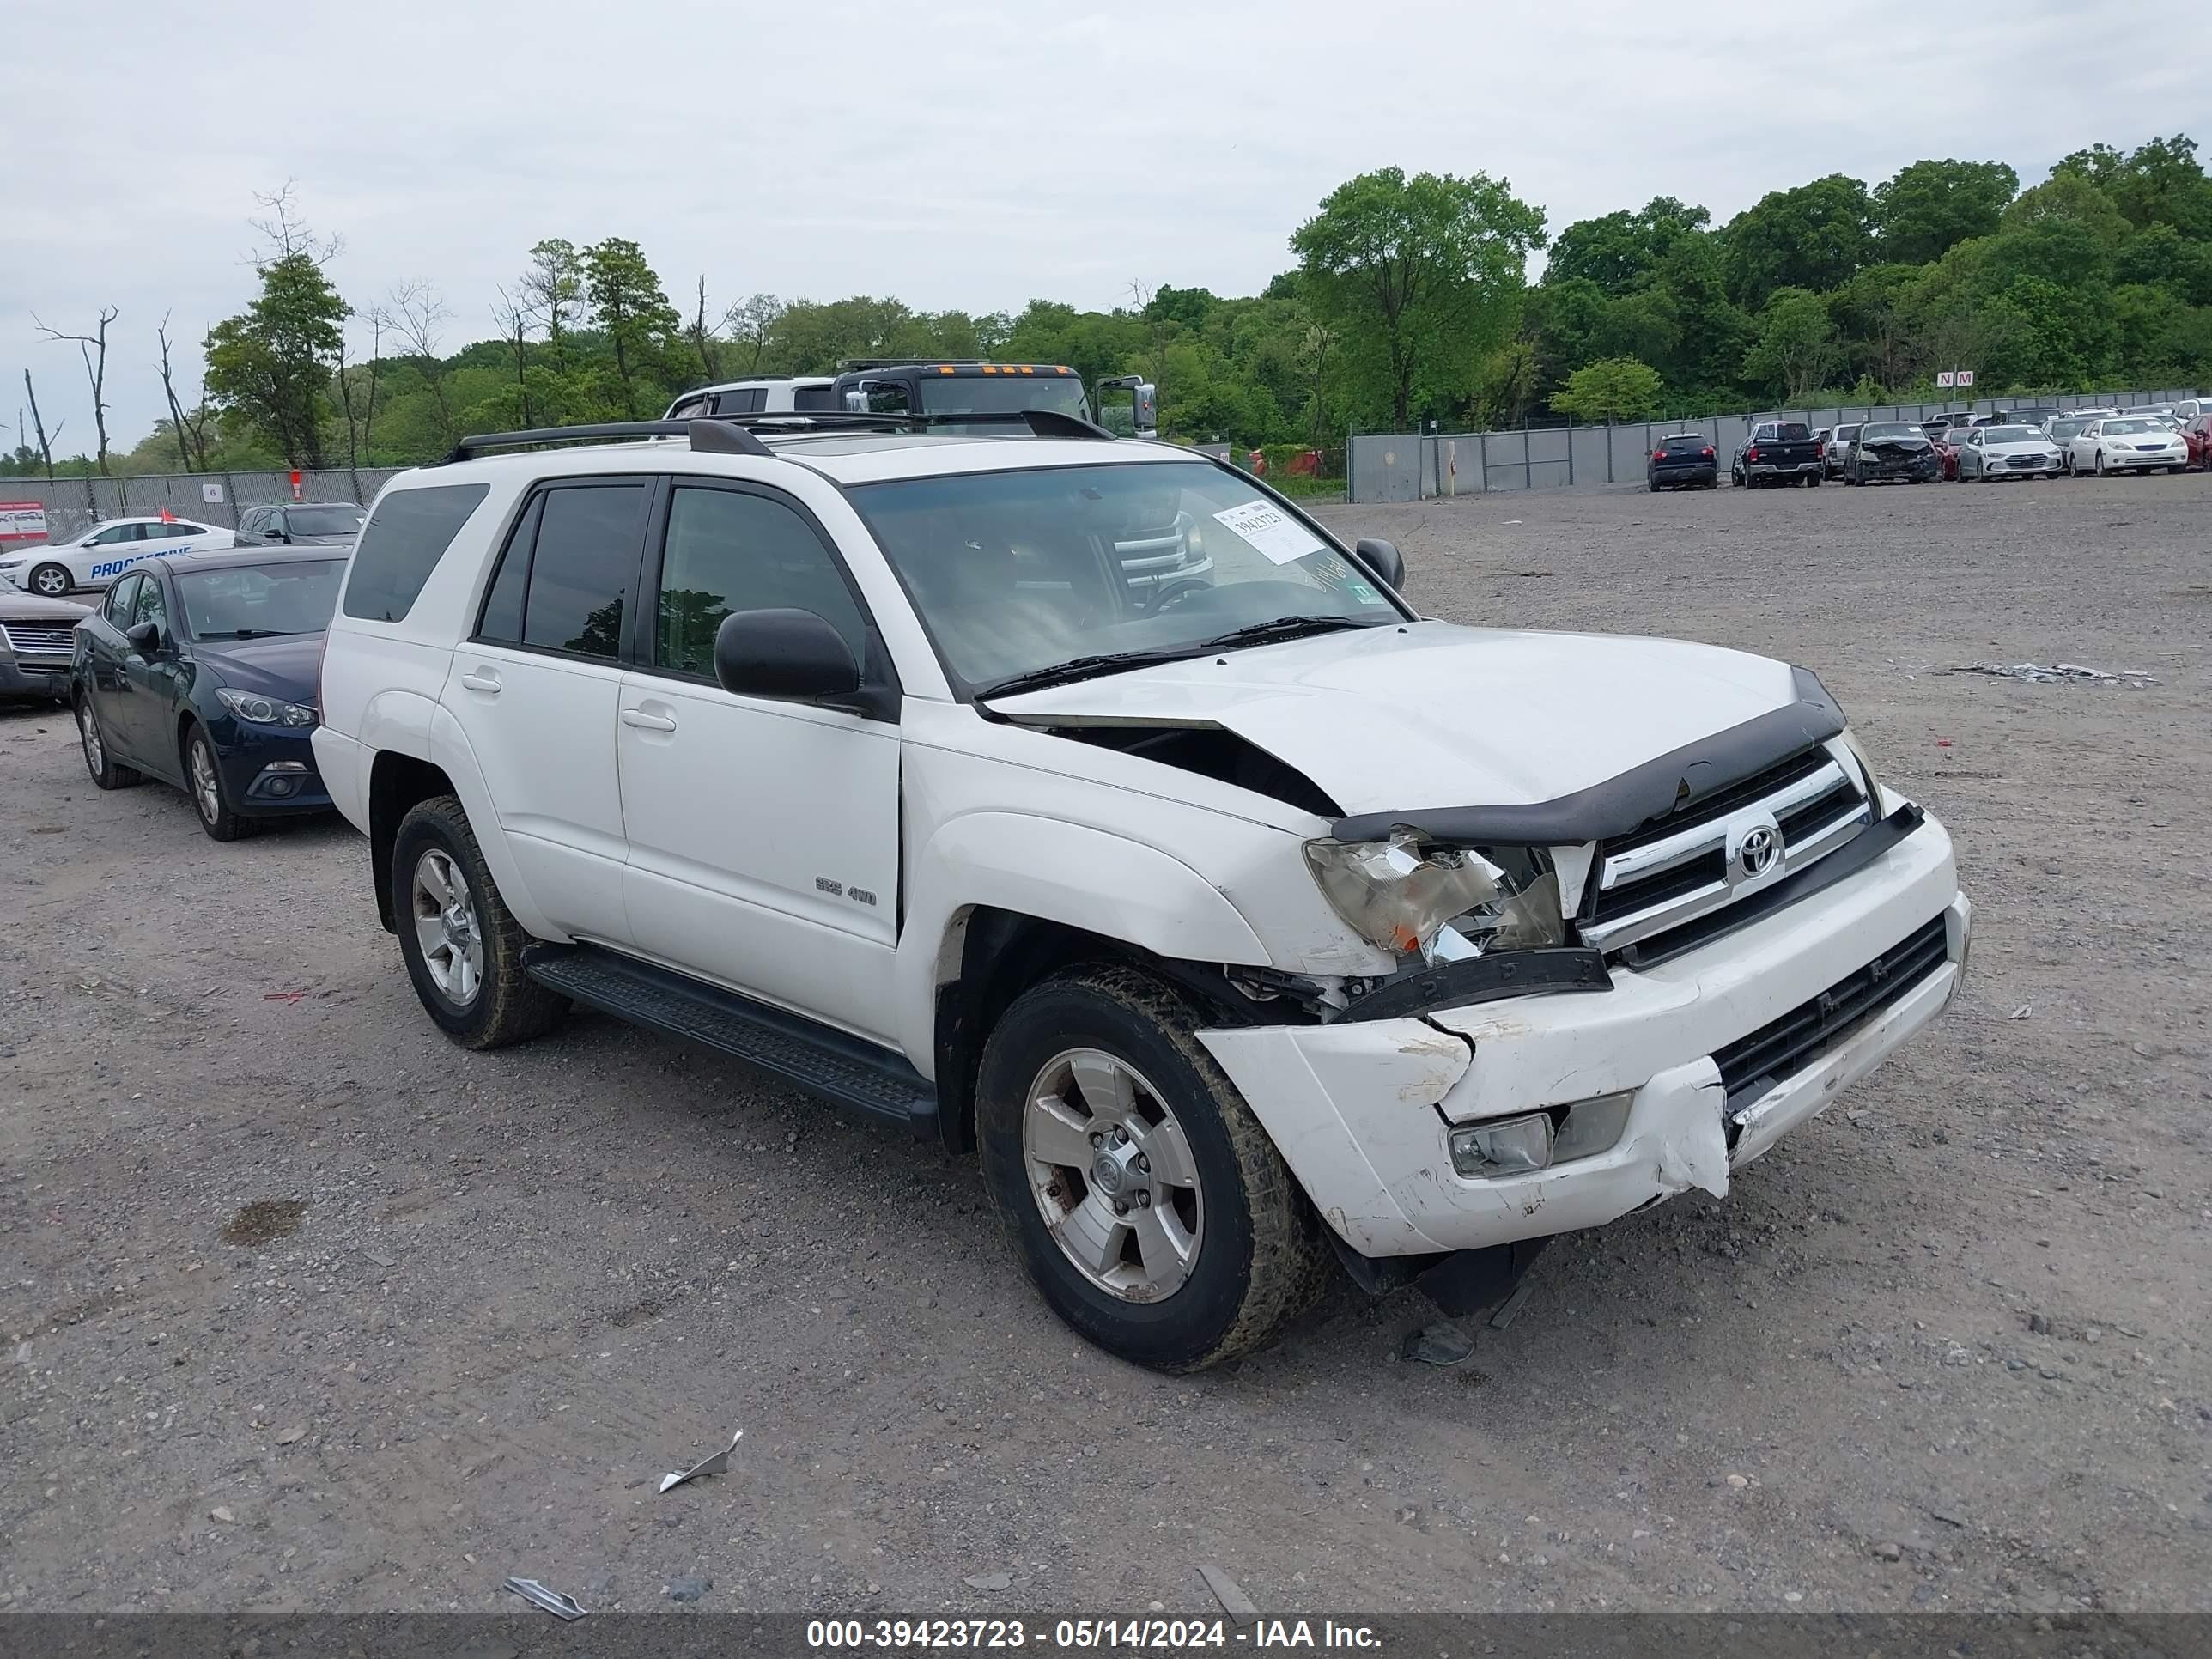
x,y
1055,871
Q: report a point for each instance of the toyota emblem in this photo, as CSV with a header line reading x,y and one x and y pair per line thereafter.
x,y
1761,851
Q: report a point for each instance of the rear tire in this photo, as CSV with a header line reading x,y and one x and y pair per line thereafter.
x,y
1257,1253
1811,481
464,951
98,760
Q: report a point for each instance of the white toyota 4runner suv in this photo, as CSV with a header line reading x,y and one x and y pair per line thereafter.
x,y
1243,921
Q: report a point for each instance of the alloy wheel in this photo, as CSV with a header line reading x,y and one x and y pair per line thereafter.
x,y
87,725
206,788
1113,1176
445,927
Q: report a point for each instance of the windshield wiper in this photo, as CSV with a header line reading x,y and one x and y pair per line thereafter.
x,y
247,634
1285,628
1082,668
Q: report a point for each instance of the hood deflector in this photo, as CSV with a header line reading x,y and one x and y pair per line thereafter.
x,y
1622,804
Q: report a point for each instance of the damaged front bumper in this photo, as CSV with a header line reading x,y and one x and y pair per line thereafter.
x,y
1363,1111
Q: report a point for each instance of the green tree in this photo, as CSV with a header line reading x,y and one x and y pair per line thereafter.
x,y
1930,206
2161,183
1796,345
2161,256
1611,389
1623,250
1424,274
632,311
1813,237
270,368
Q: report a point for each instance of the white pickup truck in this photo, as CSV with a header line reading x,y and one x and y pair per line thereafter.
x,y
1246,924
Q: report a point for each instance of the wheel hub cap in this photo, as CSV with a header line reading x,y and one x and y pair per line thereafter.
x,y
445,927
1113,1176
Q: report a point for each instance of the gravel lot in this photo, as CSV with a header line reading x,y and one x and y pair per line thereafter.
x,y
307,1309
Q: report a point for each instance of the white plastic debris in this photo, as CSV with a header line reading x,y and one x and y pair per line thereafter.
x,y
718,1464
2039,675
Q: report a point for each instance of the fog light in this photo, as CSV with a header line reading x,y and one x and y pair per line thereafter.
x,y
1512,1148
282,787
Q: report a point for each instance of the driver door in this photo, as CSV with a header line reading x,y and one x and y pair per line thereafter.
x,y
150,681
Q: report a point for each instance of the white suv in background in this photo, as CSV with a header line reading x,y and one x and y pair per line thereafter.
x,y
768,394
1244,923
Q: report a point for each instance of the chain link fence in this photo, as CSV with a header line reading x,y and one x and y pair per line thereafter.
x,y
74,505
1406,466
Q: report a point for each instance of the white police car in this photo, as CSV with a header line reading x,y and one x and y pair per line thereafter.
x,y
106,551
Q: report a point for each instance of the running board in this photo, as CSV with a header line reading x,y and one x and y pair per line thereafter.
x,y
847,1071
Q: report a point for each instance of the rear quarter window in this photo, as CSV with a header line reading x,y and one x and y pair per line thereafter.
x,y
405,537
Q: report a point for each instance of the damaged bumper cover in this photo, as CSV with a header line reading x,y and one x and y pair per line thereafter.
x,y
1362,1110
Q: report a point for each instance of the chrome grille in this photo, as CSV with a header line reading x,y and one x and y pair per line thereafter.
x,y
39,639
1692,862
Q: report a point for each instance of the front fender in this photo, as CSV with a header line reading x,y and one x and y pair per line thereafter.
x,y
1057,871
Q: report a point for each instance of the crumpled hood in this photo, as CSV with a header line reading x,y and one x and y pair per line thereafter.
x,y
282,667
1435,714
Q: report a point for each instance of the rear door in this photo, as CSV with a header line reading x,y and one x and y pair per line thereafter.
x,y
764,834
535,691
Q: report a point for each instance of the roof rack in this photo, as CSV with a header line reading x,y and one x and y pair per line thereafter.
x,y
732,434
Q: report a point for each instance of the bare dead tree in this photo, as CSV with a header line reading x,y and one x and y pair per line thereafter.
x,y
702,337
38,425
92,350
287,232
191,429
553,289
417,312
512,316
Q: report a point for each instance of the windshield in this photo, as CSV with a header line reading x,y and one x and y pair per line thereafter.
x,y
2111,427
326,521
981,394
258,601
1889,430
2011,434
1020,574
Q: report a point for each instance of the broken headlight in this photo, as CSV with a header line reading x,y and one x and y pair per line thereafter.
x,y
1446,903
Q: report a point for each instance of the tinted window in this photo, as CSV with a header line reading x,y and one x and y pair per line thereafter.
x,y
814,399
119,598
406,536
171,531
502,611
581,567
685,410
146,604
1686,446
750,401
728,551
325,520
116,532
1794,431
1765,434
887,398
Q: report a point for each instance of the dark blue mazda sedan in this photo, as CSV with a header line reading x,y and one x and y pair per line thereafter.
x,y
200,670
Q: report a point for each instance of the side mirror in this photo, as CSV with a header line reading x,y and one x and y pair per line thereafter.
x,y
1148,407
796,655
145,637
1384,560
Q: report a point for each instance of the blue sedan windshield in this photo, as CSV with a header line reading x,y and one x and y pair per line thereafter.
x,y
256,601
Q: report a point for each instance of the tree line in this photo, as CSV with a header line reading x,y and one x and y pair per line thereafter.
x,y
1408,301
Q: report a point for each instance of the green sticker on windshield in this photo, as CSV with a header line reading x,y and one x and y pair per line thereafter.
x,y
1363,593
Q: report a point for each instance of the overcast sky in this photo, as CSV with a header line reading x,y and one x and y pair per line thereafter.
x,y
953,154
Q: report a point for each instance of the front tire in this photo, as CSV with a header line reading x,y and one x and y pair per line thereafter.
x,y
203,783
107,772
1094,1093
462,945
51,581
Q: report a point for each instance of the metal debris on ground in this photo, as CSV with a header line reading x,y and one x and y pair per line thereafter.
x,y
718,1464
989,1581
2039,675
1234,1602
550,1601
283,996
1511,1311
2023,1011
1441,1344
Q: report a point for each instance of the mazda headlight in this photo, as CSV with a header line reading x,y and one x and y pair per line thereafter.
x,y
264,711
1410,896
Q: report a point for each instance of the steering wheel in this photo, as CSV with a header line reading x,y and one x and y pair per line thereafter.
x,y
1173,592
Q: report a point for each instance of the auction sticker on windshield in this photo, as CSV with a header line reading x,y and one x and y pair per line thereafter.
x,y
1273,531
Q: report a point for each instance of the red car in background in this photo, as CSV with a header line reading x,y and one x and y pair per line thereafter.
x,y
2196,433
1947,452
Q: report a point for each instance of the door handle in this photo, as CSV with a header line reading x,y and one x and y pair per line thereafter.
x,y
482,680
644,721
